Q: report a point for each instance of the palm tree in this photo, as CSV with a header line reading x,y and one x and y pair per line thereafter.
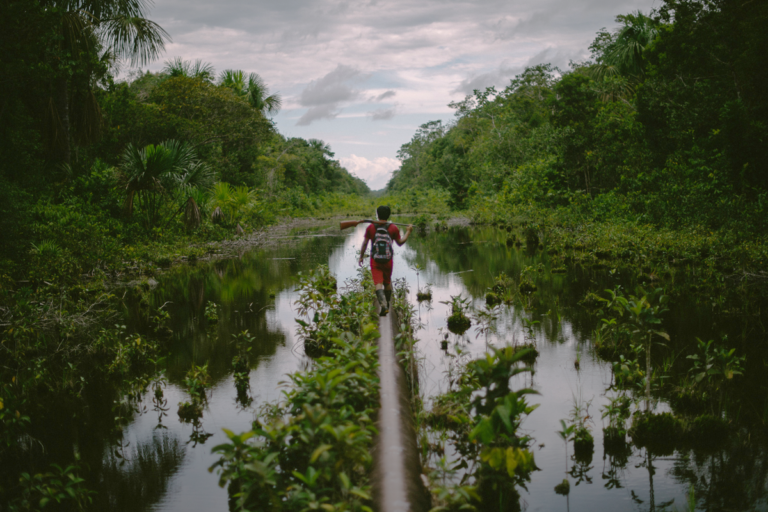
x,y
186,68
156,176
116,29
253,89
620,65
632,39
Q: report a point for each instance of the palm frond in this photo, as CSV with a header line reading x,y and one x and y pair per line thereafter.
x,y
176,67
137,39
203,70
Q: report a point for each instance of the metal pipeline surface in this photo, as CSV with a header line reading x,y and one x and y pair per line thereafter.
x,y
397,482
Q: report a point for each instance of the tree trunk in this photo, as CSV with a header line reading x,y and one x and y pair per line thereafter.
x,y
63,108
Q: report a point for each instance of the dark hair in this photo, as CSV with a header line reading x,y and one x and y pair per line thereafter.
x,y
383,212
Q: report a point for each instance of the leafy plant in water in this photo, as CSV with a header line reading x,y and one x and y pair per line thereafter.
x,y
714,366
197,381
566,434
330,314
486,319
617,411
486,415
58,486
314,450
583,442
458,321
426,293
212,312
641,316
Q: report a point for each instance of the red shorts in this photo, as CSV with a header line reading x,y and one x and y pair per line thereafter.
x,y
381,272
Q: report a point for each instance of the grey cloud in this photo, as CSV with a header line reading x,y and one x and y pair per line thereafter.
x,y
324,95
317,113
332,88
499,77
558,57
382,114
383,96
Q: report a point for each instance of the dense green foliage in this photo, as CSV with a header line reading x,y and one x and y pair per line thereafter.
x,y
313,451
87,172
665,125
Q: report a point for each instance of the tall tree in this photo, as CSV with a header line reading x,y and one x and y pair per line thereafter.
x,y
97,30
253,88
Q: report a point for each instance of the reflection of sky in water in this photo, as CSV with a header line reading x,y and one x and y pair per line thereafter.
x,y
194,488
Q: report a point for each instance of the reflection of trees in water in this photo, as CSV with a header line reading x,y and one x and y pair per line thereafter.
x,y
488,256
141,479
734,478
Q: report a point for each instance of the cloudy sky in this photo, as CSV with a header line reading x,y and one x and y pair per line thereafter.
x,y
364,75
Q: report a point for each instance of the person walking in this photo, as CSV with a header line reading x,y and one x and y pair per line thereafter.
x,y
381,234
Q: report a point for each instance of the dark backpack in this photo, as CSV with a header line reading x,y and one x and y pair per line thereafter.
x,y
382,244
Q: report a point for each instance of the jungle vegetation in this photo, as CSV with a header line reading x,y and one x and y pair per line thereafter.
x,y
664,126
90,160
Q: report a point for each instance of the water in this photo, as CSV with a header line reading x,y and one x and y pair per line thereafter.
x,y
161,464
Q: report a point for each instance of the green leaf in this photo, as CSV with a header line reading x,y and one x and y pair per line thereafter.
x,y
318,452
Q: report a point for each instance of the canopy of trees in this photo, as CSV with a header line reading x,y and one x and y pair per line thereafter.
x,y
667,122
70,132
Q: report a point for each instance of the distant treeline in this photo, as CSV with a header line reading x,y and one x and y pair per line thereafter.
x,y
666,123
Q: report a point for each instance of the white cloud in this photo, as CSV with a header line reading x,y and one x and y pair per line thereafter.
x,y
329,56
375,172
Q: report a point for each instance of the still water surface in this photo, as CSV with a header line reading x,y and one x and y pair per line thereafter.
x,y
167,461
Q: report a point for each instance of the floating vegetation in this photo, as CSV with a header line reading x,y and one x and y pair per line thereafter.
x,y
330,314
707,432
484,416
211,312
492,299
528,352
458,321
190,411
659,433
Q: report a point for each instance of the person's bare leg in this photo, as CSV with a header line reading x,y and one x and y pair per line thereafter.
x,y
382,298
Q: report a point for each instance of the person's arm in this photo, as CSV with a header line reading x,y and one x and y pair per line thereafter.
x,y
362,250
404,239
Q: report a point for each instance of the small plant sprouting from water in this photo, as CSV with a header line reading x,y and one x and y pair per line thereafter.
x,y
426,293
583,442
486,319
714,367
196,382
159,402
241,368
487,424
640,316
211,312
565,434
458,321
617,411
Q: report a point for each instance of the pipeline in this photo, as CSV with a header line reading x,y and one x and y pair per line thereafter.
x,y
397,475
